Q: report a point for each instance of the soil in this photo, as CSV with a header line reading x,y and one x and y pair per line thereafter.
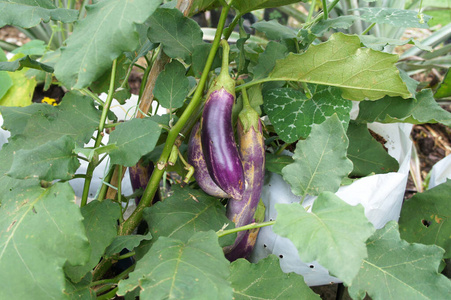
x,y
432,142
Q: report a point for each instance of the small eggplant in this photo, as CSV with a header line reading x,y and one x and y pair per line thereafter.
x,y
217,135
197,160
252,151
139,177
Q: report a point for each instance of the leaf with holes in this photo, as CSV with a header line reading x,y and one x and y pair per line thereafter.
x,y
133,139
265,280
108,30
360,73
320,161
425,218
396,269
182,270
293,114
40,230
333,234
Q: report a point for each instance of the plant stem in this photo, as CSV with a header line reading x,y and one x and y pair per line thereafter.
x,y
103,117
96,98
311,10
132,222
368,29
228,31
108,295
104,187
222,233
127,255
325,11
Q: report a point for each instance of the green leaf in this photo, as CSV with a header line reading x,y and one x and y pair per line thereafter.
x,y
341,22
248,6
275,163
265,280
20,92
108,30
368,155
24,62
426,217
80,290
29,13
40,230
274,30
320,161
100,221
75,116
5,80
199,58
133,139
293,115
444,89
267,60
181,270
200,5
187,211
421,109
396,269
359,72
172,86
128,242
92,154
393,16
177,34
49,161
333,234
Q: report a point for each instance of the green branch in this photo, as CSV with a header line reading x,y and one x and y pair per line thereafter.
x,y
132,222
222,233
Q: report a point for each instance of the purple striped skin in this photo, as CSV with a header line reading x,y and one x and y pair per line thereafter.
x,y
244,248
252,151
139,177
218,143
196,159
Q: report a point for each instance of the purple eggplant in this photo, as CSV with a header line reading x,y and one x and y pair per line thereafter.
x,y
196,159
217,135
139,177
252,151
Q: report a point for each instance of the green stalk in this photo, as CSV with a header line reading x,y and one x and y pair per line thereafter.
x,y
222,233
368,29
133,221
105,110
108,295
115,279
228,31
325,11
104,188
311,10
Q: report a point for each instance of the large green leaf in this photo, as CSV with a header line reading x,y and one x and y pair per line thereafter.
x,y
187,211
178,34
133,139
266,281
426,217
244,6
421,109
181,270
100,221
40,230
368,155
396,269
52,160
29,13
108,30
333,234
172,86
393,16
360,73
293,114
76,116
320,161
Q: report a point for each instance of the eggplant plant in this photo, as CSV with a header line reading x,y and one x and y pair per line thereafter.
x,y
288,100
